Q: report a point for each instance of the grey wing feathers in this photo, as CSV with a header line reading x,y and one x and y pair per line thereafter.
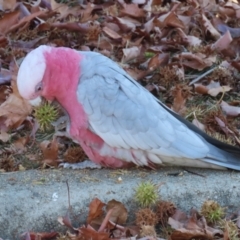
x,y
125,115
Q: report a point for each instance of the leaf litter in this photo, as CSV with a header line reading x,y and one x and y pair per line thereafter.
x,y
185,53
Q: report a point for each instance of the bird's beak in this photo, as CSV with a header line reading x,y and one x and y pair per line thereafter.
x,y
36,101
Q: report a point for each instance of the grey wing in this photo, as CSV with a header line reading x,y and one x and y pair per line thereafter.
x,y
125,115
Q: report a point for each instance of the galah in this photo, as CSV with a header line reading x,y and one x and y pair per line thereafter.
x,y
117,121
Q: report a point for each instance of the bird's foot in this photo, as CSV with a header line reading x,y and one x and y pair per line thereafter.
x,y
82,165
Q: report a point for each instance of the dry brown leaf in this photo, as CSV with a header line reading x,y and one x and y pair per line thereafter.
x,y
4,136
230,110
64,10
130,53
88,233
50,152
72,26
209,28
209,5
191,40
87,13
233,6
25,21
148,26
196,61
192,227
42,235
223,126
95,210
102,43
223,42
20,143
14,110
119,214
172,20
133,10
201,89
7,4
184,234
197,123
126,24
158,60
226,11
213,88
112,34
221,89
4,93
180,98
8,20
66,221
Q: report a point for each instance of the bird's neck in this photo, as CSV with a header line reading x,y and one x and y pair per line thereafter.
x,y
62,78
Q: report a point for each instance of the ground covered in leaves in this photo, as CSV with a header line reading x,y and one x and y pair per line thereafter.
x,y
185,52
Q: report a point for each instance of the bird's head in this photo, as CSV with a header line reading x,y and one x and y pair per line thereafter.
x,y
48,71
31,73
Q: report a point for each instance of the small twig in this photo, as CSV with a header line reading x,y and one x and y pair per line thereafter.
x,y
220,100
69,204
194,173
202,76
117,225
105,220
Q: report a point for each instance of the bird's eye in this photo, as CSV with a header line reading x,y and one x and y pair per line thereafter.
x,y
38,88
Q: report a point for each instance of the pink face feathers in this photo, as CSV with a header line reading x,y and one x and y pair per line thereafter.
x,y
31,73
49,72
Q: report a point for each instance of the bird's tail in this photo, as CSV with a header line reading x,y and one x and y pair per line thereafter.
x,y
221,154
228,156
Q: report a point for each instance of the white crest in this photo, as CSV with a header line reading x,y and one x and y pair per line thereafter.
x,y
31,72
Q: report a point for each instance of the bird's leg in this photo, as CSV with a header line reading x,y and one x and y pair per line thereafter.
x,y
81,165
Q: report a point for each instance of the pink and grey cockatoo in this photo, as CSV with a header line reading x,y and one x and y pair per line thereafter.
x,y
116,121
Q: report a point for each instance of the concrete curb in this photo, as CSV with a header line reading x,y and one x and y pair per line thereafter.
x,y
32,200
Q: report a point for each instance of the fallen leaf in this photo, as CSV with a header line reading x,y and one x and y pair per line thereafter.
x,y
20,143
221,89
112,34
7,4
43,235
213,88
126,24
194,227
130,53
50,152
196,61
158,60
119,214
14,110
64,10
88,234
180,95
223,42
209,28
8,20
172,20
197,123
4,136
133,10
229,110
95,210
